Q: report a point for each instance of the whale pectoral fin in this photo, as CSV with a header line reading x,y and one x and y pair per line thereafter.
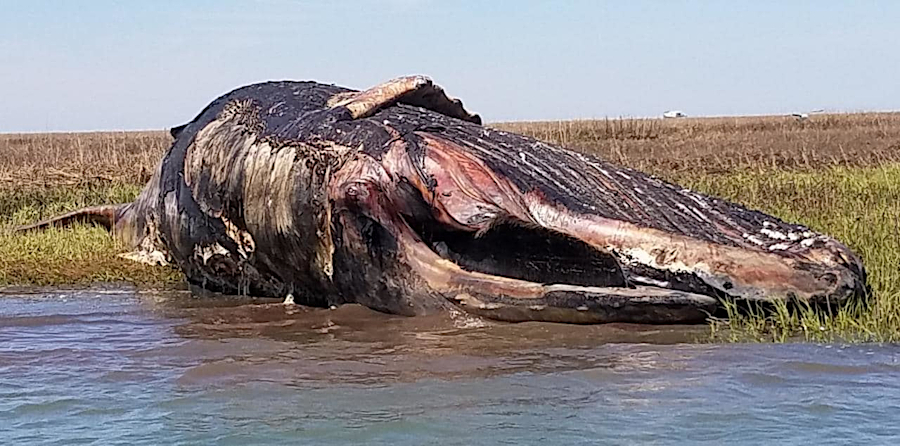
x,y
417,91
103,215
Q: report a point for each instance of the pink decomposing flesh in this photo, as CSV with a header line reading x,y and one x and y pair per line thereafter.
x,y
465,194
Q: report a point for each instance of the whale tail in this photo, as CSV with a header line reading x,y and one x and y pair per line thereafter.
x,y
106,215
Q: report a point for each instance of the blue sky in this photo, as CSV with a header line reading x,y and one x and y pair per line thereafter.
x,y
102,65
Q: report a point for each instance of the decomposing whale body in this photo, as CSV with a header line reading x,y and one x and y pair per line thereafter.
x,y
398,199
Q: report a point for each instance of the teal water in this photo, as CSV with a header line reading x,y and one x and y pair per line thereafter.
x,y
113,366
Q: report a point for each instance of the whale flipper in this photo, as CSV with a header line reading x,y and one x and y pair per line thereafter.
x,y
103,215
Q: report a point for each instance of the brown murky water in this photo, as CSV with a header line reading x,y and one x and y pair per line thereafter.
x,y
112,365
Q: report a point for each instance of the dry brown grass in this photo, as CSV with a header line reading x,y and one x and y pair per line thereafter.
x,y
70,159
667,147
46,174
717,145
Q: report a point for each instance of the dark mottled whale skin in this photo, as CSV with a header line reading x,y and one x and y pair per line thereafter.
x,y
398,199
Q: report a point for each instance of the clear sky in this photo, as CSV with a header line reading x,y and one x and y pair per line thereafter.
x,y
101,65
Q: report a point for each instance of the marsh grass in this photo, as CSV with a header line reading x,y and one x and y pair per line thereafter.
x,y
859,206
77,159
839,174
42,175
729,144
80,255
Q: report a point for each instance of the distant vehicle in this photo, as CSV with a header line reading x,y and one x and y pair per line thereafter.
x,y
800,116
674,114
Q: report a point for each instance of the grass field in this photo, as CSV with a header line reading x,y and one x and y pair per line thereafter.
x,y
839,174
45,174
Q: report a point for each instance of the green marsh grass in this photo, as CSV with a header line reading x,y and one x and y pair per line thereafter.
x,y
79,255
860,207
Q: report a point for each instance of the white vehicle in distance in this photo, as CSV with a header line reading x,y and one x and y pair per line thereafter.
x,y
674,114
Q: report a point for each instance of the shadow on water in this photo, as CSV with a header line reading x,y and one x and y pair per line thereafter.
x,y
236,338
353,344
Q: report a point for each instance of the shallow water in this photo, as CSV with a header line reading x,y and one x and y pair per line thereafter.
x,y
115,366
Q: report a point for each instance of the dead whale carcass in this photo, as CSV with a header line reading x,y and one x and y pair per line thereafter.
x,y
398,199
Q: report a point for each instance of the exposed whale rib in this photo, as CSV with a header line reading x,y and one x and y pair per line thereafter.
x,y
397,198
